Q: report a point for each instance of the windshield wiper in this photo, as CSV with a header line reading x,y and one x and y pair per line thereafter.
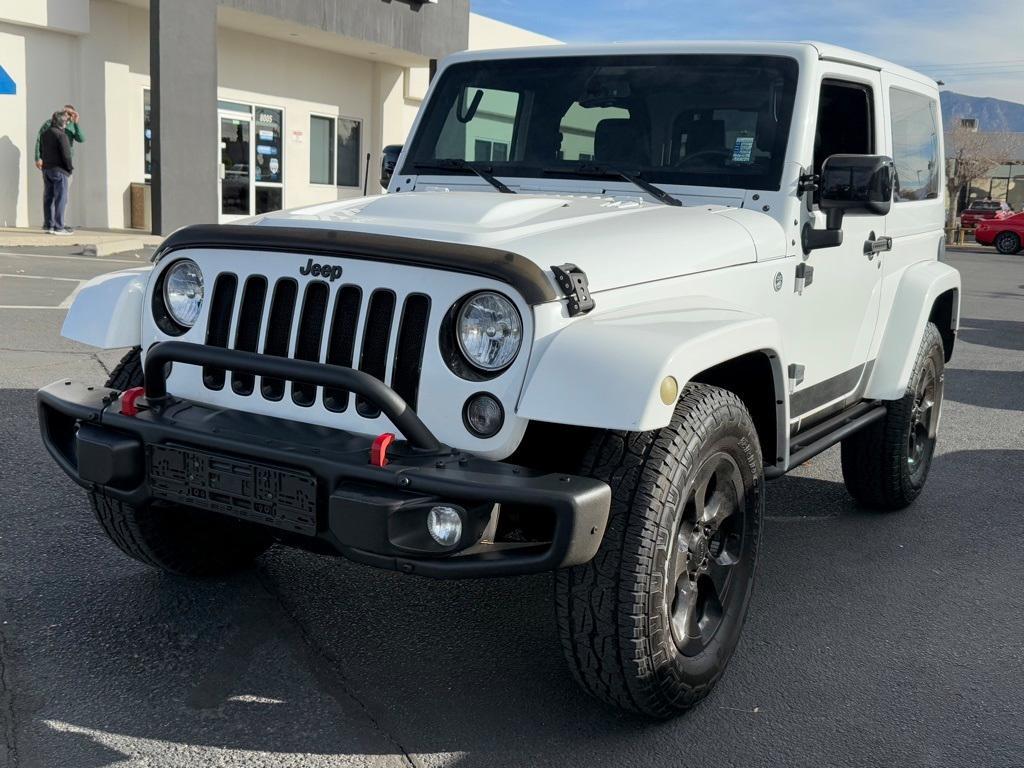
x,y
454,164
608,171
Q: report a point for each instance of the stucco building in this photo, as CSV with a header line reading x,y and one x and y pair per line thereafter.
x,y
210,110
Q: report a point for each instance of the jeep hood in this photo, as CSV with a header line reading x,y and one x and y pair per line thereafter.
x,y
616,241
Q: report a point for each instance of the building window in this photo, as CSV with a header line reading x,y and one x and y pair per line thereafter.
x,y
915,146
321,150
147,134
269,146
234,106
485,149
268,199
349,151
269,139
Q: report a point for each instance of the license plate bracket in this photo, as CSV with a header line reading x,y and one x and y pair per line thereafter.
x,y
260,493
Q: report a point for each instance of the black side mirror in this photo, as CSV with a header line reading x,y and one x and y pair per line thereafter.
x,y
388,161
857,183
849,183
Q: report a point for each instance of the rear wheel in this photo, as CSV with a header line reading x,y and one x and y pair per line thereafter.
x,y
1008,243
885,466
651,622
177,539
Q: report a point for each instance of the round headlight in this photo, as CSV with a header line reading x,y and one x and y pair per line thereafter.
x,y
489,330
183,292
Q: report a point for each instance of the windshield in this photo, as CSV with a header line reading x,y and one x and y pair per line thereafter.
x,y
707,120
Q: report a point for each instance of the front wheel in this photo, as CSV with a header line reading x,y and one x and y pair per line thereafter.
x,y
885,465
651,622
1008,243
176,539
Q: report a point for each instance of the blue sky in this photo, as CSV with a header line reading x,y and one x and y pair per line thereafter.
x,y
974,46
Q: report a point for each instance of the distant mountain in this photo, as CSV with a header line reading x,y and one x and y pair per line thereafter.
x,y
994,115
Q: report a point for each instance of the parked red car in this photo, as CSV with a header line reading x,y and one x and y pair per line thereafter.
x,y
981,210
1006,234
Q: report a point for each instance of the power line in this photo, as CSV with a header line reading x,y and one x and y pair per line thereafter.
x,y
948,65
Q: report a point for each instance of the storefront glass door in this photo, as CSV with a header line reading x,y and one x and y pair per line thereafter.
x,y
236,163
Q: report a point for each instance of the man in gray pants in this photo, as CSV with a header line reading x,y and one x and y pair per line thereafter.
x,y
55,152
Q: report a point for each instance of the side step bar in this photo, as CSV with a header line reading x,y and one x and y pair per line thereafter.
x,y
814,440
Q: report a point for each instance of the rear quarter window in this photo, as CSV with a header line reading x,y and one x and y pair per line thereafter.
x,y
915,145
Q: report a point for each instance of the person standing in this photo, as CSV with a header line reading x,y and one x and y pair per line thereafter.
x,y
72,128
55,155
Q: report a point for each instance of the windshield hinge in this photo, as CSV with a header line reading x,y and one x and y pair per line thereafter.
x,y
808,182
573,282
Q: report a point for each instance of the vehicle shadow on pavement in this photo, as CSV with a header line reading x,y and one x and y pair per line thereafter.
x,y
1001,334
987,389
312,660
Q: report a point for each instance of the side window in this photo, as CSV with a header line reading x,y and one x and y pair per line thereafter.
x,y
915,145
845,121
479,126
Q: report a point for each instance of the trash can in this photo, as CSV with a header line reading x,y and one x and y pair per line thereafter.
x,y
141,217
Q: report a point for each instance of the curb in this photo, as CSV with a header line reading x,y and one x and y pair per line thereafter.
x,y
111,247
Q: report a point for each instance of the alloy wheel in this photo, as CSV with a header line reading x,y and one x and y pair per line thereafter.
x,y
1008,243
706,547
923,419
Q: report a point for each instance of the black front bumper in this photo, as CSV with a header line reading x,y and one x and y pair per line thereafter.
x,y
315,487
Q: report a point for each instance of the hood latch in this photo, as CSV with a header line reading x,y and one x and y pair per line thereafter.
x,y
573,282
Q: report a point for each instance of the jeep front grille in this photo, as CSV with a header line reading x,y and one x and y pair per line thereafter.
x,y
338,325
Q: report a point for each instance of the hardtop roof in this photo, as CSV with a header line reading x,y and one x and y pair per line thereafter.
x,y
799,50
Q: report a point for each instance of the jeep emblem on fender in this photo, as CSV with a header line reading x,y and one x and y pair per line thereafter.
x,y
331,271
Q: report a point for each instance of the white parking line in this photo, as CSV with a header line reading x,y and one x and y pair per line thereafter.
x,y
44,277
93,259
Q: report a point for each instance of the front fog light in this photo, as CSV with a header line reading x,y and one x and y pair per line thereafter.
x,y
444,525
483,415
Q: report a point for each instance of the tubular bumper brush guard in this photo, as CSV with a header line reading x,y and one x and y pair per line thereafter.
x,y
319,488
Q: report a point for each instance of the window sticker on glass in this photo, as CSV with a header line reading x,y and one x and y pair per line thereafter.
x,y
743,149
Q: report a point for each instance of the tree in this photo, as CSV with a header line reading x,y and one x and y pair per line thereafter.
x,y
970,155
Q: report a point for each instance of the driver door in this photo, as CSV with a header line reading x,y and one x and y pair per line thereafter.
x,y
838,297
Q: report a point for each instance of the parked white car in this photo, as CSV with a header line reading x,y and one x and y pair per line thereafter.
x,y
611,291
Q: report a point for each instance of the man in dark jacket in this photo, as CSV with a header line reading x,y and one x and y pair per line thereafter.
x,y
55,152
72,127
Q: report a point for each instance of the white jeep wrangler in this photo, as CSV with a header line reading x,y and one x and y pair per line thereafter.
x,y
611,291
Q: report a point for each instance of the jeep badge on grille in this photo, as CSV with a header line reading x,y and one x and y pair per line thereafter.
x,y
330,271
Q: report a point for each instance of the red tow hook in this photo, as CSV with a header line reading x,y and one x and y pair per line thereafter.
x,y
128,398
379,449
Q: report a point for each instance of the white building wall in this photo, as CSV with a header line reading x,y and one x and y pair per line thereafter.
x,y
301,81
14,164
95,55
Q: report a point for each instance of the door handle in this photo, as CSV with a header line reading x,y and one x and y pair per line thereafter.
x,y
222,172
875,245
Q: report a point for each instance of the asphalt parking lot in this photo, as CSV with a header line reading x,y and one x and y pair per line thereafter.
x,y
872,640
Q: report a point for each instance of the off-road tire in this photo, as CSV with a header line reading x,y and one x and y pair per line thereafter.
x,y
1008,243
613,615
875,460
177,539
128,372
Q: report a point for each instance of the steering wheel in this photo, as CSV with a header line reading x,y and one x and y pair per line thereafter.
x,y
704,154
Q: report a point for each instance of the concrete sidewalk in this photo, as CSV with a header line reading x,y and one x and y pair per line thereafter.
x,y
90,242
